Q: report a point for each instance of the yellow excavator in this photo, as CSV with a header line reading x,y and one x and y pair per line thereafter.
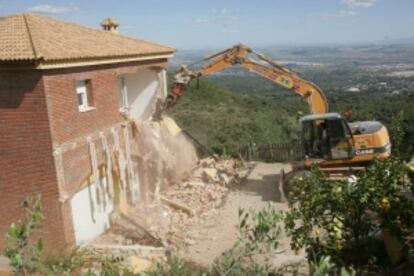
x,y
327,139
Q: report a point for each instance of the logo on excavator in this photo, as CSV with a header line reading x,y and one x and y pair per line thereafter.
x,y
364,151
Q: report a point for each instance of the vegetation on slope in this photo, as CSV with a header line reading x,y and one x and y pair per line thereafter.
x,y
226,121
229,112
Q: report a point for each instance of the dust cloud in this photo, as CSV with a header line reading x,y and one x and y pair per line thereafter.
x,y
166,154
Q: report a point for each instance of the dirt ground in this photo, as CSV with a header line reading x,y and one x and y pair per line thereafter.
x,y
217,229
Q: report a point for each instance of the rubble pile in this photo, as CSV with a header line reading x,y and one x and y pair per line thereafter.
x,y
179,191
166,220
205,190
207,186
125,231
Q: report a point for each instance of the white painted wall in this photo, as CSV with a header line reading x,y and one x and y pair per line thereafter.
x,y
87,229
162,75
142,88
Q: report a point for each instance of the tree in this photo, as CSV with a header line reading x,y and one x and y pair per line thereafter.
x,y
397,133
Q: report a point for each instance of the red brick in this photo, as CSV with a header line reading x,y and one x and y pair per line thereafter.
x,y
39,111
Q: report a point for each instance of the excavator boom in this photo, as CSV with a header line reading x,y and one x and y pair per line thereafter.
x,y
263,66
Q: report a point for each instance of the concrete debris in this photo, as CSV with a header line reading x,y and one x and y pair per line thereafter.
x,y
133,256
198,196
138,265
177,205
210,175
207,162
128,250
127,231
224,179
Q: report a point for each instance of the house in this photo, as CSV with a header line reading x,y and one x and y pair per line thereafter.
x,y
353,89
66,93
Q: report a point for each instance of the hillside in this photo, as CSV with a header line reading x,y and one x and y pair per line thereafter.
x,y
226,121
227,114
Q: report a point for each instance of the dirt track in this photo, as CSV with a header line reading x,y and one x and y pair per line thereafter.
x,y
217,229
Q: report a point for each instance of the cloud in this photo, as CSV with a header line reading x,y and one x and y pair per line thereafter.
x,y
222,19
339,14
350,10
53,9
201,20
359,3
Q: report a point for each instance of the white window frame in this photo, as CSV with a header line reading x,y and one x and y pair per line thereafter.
x,y
82,90
124,106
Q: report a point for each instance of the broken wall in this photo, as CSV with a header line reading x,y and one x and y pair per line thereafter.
x,y
92,150
142,88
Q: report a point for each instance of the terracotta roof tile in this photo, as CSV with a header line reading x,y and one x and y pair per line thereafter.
x,y
14,39
36,37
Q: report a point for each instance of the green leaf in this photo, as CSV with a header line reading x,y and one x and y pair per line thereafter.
x,y
39,245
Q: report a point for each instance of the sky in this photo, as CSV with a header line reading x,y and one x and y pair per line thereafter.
x,y
203,24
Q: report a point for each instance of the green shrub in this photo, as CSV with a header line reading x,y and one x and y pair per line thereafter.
x,y
25,256
343,220
174,267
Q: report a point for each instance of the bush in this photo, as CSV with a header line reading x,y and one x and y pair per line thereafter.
x,y
343,220
175,267
27,257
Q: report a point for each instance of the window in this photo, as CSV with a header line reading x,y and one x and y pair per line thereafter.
x,y
336,129
123,95
83,90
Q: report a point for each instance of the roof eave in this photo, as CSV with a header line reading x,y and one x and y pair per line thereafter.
x,y
19,64
81,62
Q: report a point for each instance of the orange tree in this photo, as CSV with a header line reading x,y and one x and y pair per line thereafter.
x,y
343,219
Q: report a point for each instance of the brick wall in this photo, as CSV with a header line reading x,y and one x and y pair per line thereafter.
x,y
67,123
26,161
70,127
38,114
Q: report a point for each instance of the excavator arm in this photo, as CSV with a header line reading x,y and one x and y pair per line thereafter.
x,y
264,67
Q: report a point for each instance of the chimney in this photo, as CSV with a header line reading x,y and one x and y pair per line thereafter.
x,y
110,25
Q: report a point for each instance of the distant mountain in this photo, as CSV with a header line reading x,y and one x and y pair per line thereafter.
x,y
387,52
408,40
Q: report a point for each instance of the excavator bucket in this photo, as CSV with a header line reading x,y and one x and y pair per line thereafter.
x,y
175,93
170,101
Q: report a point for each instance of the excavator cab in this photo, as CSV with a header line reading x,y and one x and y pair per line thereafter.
x,y
326,136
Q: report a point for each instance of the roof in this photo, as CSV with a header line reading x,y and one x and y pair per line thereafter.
x,y
324,116
32,37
